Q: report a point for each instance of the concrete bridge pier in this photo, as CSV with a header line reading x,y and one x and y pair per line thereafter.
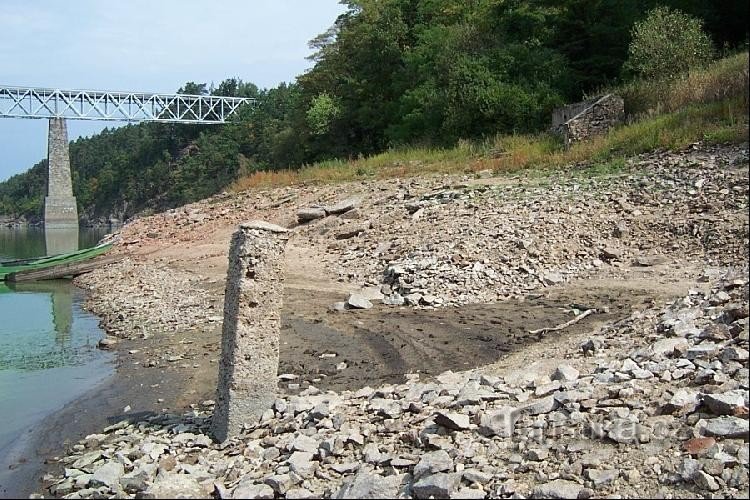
x,y
60,208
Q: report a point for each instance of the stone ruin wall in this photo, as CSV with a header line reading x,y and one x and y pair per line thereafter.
x,y
589,118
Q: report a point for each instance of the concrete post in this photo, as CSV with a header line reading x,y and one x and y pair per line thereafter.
x,y
60,208
249,363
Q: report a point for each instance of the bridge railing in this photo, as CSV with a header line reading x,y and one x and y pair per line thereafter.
x,y
27,102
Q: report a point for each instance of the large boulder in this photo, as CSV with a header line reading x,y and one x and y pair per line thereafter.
x,y
172,485
368,484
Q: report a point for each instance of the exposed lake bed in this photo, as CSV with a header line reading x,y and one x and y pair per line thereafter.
x,y
163,305
509,261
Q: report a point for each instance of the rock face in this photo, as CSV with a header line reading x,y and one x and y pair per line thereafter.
x,y
250,336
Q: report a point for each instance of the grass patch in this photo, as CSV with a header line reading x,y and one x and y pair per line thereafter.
x,y
720,80
612,166
708,105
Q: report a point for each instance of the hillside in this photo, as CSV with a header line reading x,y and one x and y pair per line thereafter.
x,y
381,82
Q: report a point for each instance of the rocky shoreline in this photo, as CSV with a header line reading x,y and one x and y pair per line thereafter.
x,y
651,404
655,405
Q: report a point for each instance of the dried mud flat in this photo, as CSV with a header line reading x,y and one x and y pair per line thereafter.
x,y
477,262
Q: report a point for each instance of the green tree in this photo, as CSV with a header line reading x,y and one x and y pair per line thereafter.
x,y
321,113
668,43
389,73
192,88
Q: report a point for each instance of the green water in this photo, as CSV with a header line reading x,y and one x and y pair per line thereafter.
x,y
48,354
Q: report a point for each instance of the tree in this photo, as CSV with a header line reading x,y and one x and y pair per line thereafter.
x,y
322,111
391,73
192,88
668,43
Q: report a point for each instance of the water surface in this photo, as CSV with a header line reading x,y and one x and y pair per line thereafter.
x,y
48,354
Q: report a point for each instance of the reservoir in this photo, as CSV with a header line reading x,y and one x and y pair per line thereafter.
x,y
48,353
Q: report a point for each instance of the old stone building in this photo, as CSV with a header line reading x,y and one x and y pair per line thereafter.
x,y
582,120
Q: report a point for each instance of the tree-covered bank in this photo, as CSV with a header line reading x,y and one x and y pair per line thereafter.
x,y
387,74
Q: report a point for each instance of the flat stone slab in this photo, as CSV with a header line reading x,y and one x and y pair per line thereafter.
x,y
308,214
559,488
727,427
263,226
726,403
667,346
370,485
357,301
432,463
440,485
342,206
452,420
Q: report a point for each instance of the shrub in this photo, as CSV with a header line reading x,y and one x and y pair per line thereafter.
x,y
323,110
666,44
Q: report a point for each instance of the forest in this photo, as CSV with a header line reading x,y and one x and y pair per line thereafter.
x,y
387,74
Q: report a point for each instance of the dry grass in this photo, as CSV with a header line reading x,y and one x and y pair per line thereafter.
x,y
723,79
708,105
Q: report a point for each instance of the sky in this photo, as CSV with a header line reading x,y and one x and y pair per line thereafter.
x,y
145,46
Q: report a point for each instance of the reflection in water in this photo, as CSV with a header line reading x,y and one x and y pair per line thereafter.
x,y
61,296
48,354
26,242
60,240
42,324
20,242
40,334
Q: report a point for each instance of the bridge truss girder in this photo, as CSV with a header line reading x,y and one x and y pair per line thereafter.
x,y
27,102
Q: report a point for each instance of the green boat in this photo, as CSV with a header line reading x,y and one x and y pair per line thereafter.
x,y
15,266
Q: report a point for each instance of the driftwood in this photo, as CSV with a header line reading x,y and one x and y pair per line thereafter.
x,y
573,321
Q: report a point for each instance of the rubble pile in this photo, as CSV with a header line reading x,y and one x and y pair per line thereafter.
x,y
465,243
145,300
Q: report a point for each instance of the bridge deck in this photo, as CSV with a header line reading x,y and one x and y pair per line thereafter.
x,y
27,102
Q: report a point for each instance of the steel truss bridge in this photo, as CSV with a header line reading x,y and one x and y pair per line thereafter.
x,y
27,102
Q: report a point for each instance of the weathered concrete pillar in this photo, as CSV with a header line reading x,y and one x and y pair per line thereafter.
x,y
60,208
250,337
59,240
